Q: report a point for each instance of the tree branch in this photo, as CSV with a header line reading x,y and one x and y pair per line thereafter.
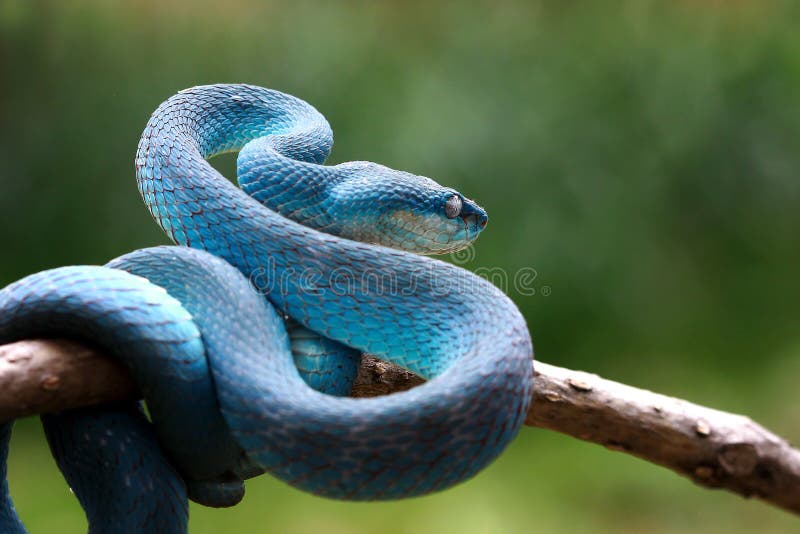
x,y
714,449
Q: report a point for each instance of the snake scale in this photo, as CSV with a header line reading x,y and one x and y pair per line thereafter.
x,y
245,339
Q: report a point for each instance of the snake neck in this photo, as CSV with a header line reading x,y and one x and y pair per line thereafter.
x,y
299,190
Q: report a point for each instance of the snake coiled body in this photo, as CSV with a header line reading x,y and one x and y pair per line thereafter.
x,y
203,326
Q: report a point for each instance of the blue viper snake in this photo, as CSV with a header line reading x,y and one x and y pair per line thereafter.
x,y
244,340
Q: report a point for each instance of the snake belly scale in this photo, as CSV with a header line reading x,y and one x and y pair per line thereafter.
x,y
277,285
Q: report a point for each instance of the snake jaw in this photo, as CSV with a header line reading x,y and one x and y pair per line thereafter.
x,y
474,217
470,208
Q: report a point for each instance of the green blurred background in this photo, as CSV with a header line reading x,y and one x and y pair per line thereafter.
x,y
641,156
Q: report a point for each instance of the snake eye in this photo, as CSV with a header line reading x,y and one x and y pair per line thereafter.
x,y
452,208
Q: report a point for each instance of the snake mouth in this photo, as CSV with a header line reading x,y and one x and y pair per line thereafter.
x,y
474,217
471,226
474,223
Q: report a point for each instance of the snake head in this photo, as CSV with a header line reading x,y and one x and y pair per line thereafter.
x,y
406,211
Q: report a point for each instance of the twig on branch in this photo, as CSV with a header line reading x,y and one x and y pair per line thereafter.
x,y
713,448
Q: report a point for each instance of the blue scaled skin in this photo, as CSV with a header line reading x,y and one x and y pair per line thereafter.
x,y
227,334
361,200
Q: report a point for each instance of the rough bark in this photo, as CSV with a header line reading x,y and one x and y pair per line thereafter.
x,y
713,448
50,376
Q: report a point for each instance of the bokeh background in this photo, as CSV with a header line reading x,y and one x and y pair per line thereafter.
x,y
642,156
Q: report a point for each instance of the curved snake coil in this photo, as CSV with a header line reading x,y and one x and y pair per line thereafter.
x,y
225,372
